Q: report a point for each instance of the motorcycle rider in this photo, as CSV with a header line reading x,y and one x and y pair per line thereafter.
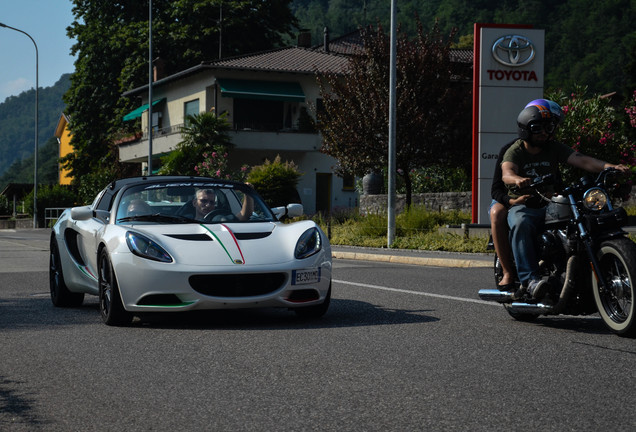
x,y
501,202
535,154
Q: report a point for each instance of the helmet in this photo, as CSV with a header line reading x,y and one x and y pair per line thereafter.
x,y
554,108
539,115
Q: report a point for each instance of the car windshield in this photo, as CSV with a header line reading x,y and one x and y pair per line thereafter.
x,y
191,202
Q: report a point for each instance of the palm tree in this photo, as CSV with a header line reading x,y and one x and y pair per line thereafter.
x,y
205,132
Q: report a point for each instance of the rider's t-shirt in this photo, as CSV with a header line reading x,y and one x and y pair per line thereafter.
x,y
536,165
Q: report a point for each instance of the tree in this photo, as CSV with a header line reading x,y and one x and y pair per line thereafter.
x,y
204,133
431,109
112,52
276,182
597,57
593,127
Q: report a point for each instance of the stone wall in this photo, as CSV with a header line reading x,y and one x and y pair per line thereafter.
x,y
432,201
16,223
436,201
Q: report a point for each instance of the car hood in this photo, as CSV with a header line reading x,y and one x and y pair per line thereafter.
x,y
251,244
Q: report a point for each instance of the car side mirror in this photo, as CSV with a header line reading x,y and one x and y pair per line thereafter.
x,y
86,213
290,211
294,210
82,213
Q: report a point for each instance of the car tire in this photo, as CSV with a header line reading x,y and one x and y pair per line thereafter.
x,y
317,311
61,296
111,307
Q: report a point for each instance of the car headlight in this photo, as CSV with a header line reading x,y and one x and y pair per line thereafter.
x,y
595,199
144,247
308,244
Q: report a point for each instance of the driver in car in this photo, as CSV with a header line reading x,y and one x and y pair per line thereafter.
x,y
204,203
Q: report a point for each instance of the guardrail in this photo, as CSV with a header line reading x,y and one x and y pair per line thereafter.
x,y
52,214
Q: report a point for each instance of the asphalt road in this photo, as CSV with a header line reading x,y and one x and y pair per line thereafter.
x,y
403,348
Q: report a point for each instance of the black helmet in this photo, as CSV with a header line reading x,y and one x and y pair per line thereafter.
x,y
535,115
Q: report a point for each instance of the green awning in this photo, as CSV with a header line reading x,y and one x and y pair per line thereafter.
x,y
268,90
137,113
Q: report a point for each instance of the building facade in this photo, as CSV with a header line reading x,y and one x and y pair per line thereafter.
x,y
269,99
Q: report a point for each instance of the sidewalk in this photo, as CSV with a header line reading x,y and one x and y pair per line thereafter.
x,y
413,257
419,257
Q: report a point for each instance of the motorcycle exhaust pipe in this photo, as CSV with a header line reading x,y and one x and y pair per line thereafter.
x,y
530,308
496,295
566,291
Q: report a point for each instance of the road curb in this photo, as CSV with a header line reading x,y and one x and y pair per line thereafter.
x,y
424,261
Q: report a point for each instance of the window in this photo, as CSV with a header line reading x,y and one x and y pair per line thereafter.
x,y
191,108
157,122
348,182
264,115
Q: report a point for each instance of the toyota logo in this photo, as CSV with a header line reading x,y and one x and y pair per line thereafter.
x,y
513,50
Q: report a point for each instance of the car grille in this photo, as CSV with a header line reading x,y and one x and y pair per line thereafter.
x,y
237,285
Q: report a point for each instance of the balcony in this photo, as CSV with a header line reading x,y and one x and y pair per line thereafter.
x,y
248,136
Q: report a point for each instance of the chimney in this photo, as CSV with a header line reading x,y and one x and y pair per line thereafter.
x,y
304,38
158,69
326,39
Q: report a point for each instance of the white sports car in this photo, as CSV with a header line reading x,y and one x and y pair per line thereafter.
x,y
179,243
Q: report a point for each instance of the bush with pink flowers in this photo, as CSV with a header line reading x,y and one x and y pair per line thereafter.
x,y
594,127
215,164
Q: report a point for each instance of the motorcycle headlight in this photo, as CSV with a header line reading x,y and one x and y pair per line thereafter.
x,y
143,247
595,199
308,244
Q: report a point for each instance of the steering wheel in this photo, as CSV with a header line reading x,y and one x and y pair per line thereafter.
x,y
219,215
186,210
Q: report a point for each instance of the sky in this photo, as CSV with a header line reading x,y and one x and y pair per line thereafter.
x,y
46,22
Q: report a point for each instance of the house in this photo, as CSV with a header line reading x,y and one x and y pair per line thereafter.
x,y
268,97
15,193
63,135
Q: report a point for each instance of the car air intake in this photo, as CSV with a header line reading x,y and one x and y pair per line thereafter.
x,y
191,237
237,285
251,235
160,300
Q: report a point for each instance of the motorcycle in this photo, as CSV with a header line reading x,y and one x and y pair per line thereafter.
x,y
586,256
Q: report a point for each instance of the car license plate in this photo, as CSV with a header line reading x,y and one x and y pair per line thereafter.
x,y
300,277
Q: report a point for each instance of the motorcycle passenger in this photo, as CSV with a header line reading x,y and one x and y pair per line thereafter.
x,y
535,154
498,213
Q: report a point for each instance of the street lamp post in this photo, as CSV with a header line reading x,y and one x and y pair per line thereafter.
x,y
390,236
35,154
150,77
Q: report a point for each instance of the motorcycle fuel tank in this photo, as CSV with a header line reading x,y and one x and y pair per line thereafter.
x,y
558,210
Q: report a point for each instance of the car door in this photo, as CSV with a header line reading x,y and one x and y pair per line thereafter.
x,y
89,232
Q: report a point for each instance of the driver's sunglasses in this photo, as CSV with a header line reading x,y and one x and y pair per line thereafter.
x,y
205,201
537,128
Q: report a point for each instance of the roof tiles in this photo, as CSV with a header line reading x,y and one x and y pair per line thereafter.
x,y
291,60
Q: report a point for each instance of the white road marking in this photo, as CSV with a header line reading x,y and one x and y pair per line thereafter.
x,y
441,296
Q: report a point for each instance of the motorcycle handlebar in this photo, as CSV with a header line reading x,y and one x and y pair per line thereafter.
x,y
536,183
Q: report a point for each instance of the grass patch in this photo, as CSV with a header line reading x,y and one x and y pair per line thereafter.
x,y
417,228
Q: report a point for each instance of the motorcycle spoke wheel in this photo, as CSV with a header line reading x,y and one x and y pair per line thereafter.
x,y
615,303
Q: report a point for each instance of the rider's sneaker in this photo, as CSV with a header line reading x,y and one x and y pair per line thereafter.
x,y
537,288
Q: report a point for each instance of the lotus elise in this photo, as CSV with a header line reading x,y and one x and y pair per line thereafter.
x,y
166,244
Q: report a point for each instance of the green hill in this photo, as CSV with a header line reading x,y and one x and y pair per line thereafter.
x,y
17,123
587,42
